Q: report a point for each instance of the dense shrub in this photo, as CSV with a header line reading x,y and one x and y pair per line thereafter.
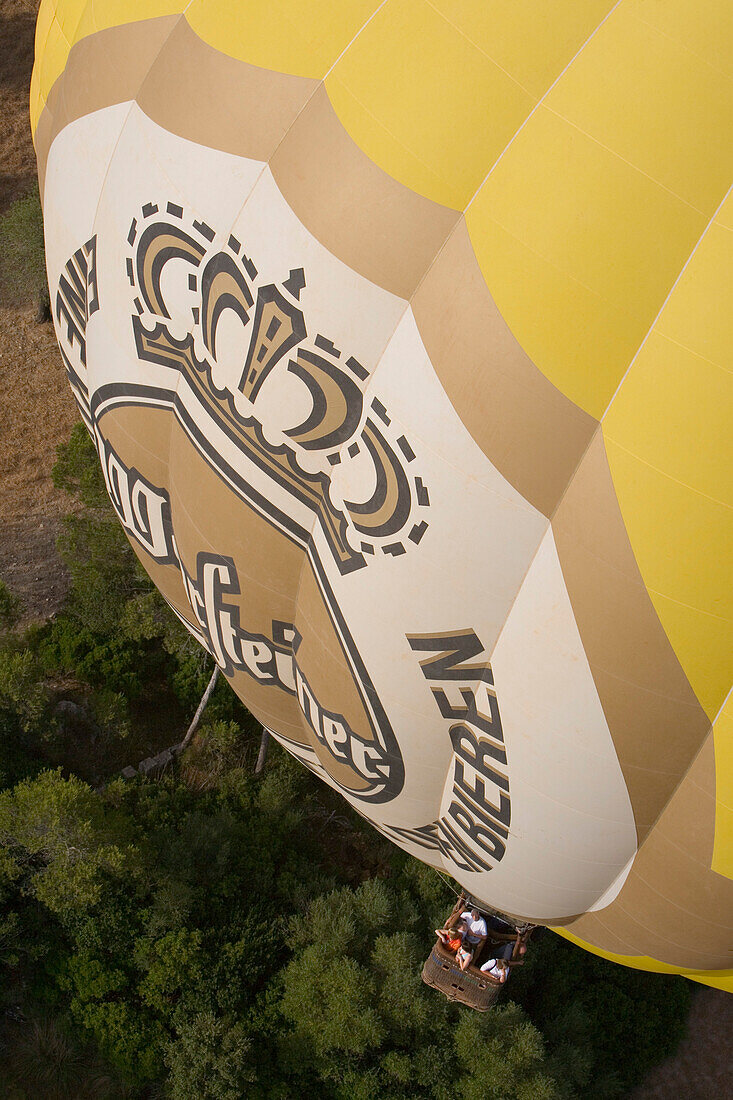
x,y
10,608
22,259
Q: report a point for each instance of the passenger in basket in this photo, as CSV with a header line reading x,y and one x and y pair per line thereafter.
x,y
497,968
464,954
452,938
475,927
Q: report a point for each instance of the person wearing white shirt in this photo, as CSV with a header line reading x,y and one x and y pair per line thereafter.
x,y
475,927
497,968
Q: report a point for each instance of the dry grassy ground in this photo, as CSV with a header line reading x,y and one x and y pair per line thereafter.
x,y
36,407
17,22
36,414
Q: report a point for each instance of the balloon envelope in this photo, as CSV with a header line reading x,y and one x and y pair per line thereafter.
x,y
401,331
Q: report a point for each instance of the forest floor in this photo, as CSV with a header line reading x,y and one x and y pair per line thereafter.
x,y
702,1069
36,415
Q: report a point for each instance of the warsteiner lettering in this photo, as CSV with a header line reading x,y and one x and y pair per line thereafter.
x,y
271,661
292,459
366,758
267,660
143,509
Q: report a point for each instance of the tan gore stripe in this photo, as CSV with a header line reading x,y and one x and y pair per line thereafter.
x,y
722,862
101,70
202,95
654,717
647,917
532,433
377,226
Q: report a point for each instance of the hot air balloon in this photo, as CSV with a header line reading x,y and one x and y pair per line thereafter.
x,y
402,333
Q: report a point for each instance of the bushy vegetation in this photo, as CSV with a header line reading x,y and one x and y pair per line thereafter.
x,y
22,259
214,935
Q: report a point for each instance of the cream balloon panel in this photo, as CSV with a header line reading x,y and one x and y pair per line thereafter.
x,y
549,688
562,762
397,502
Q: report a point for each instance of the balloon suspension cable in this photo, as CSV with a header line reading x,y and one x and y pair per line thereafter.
x,y
446,881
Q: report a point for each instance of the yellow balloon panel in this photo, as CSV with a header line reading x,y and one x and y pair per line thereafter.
x,y
39,84
669,525
46,16
645,96
53,56
698,315
673,413
671,457
435,111
704,27
70,17
36,103
99,15
579,250
532,42
286,35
